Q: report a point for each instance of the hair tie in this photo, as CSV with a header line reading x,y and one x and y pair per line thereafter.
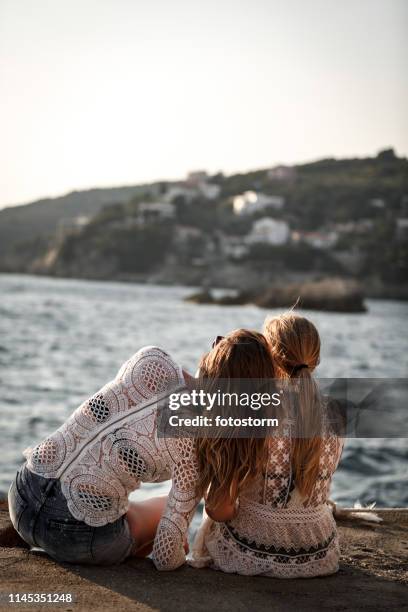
x,y
297,368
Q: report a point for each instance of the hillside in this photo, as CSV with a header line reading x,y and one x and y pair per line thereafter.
x,y
347,218
19,224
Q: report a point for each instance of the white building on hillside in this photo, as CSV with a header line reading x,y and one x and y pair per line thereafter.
x,y
200,180
251,202
179,190
191,190
155,211
268,231
318,240
211,191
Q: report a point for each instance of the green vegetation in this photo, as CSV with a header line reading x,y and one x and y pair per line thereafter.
x,y
299,257
333,190
131,250
359,199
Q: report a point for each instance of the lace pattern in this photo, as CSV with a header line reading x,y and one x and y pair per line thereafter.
x,y
277,532
109,446
168,550
230,553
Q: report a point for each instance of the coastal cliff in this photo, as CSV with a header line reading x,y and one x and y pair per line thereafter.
x,y
373,575
273,227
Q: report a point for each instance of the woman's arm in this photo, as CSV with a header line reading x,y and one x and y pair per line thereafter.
x,y
169,551
169,544
225,509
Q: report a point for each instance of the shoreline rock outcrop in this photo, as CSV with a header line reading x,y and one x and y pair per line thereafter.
x,y
328,294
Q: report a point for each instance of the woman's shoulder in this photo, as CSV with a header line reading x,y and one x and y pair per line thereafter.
x,y
151,365
150,350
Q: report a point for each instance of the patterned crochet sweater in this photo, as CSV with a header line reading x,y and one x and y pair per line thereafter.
x,y
110,444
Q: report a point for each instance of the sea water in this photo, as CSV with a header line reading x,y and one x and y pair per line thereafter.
x,y
61,340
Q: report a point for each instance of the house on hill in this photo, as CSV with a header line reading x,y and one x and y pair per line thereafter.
x,y
251,202
153,212
179,190
318,239
200,181
268,231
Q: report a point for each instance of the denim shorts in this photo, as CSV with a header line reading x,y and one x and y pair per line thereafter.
x,y
40,514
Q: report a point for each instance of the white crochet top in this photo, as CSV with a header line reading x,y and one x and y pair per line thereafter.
x,y
276,531
110,444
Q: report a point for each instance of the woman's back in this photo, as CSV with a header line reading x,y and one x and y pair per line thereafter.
x,y
110,443
276,487
276,531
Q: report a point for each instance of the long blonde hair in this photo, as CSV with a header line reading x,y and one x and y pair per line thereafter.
x,y
226,464
295,346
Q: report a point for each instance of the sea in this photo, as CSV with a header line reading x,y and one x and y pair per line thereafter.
x,y
61,340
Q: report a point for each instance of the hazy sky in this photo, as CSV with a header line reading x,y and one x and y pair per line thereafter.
x,y
111,92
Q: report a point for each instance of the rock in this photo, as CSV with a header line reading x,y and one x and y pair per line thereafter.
x,y
201,297
336,295
227,299
240,299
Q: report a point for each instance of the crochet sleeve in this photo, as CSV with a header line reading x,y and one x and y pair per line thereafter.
x,y
168,548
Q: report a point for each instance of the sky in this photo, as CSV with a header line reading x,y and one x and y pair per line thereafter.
x,y
113,92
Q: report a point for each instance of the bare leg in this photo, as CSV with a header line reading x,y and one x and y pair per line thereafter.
x,y
143,518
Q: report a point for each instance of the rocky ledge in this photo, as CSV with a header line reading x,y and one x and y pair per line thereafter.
x,y
373,576
329,294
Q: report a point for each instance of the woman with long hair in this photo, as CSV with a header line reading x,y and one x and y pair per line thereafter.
x,y
277,521
227,464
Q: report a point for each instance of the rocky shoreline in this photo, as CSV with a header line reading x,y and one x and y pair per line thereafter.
x,y
373,576
330,295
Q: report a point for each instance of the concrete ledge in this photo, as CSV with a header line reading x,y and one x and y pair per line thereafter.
x,y
373,576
